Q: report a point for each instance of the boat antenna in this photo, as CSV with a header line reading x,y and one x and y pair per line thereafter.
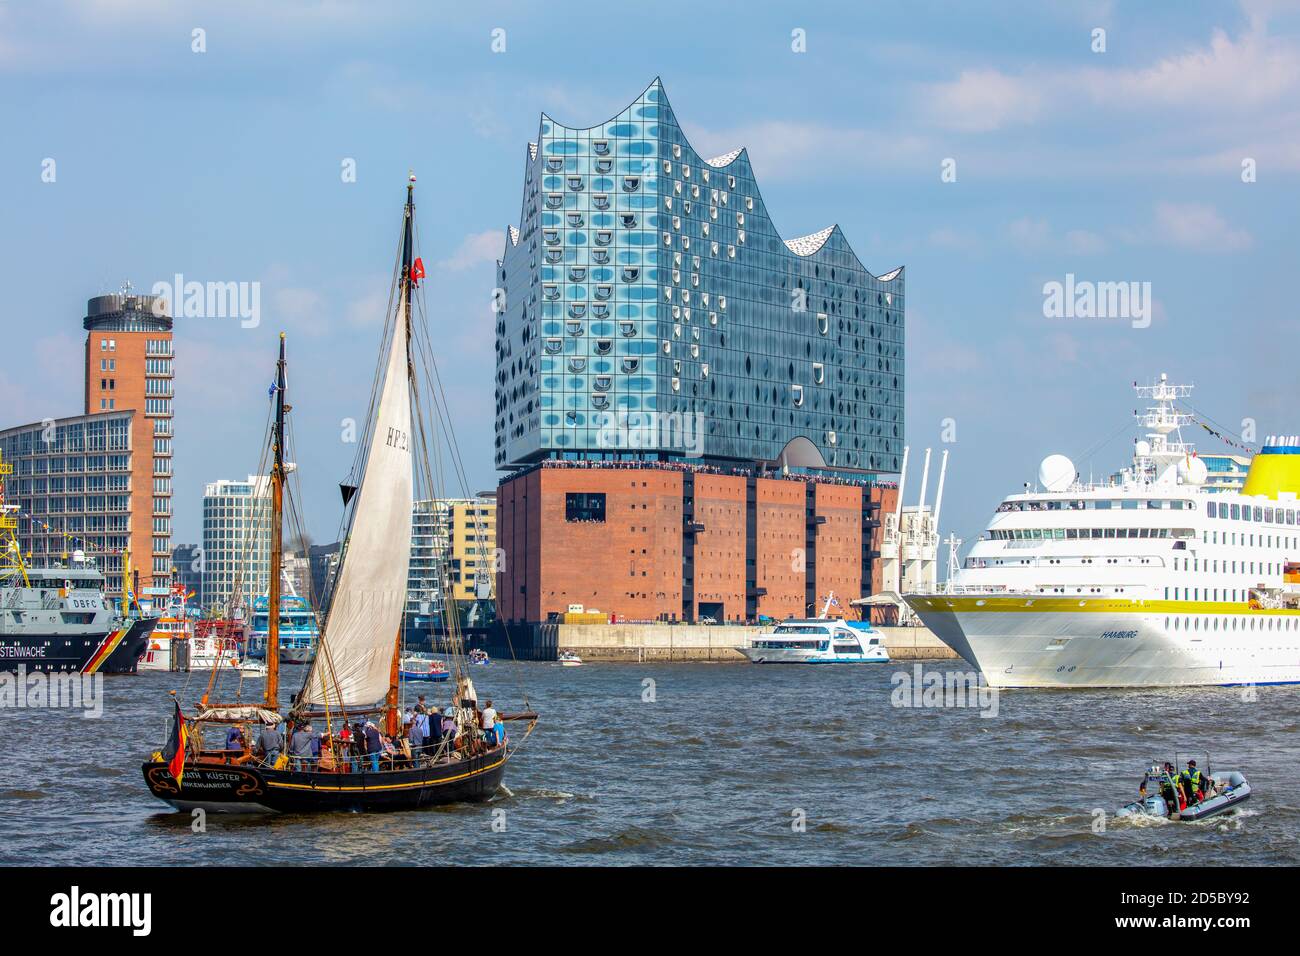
x,y
277,539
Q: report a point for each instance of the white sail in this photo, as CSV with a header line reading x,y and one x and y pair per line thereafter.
x,y
354,660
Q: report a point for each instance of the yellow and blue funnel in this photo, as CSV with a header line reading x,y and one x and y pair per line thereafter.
x,y
1276,468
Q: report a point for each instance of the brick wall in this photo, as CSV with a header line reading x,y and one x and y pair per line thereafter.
x,y
632,563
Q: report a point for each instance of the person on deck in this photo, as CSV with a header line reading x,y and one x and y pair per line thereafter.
x,y
374,745
419,730
359,744
345,749
272,743
448,726
235,740
300,747
1193,783
1170,790
490,723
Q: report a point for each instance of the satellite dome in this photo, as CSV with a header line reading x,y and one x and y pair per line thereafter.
x,y
1192,471
1056,473
1142,448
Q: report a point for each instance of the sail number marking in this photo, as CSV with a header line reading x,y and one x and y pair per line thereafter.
x,y
396,438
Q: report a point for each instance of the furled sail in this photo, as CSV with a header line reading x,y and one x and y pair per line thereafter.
x,y
353,663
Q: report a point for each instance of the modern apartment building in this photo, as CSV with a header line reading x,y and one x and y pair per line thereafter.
x,y
236,541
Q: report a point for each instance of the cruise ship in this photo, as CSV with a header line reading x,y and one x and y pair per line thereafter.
x,y
1151,579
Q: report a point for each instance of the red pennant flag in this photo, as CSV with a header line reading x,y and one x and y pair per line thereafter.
x,y
417,271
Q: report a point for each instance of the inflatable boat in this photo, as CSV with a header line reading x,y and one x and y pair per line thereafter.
x,y
1230,791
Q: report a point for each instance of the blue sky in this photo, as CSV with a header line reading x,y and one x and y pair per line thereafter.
x,y
1124,165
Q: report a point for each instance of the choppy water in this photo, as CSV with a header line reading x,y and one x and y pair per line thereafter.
x,y
712,771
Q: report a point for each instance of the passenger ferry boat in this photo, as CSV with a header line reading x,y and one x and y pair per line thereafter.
x,y
168,648
298,630
1149,580
421,668
217,642
818,640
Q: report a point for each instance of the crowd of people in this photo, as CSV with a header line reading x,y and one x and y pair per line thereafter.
x,y
754,471
1180,790
427,735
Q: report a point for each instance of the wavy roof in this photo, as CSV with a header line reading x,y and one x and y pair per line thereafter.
x,y
802,246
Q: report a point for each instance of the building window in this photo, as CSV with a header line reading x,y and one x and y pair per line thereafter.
x,y
584,506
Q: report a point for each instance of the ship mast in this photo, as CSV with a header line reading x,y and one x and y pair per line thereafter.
x,y
407,279
277,535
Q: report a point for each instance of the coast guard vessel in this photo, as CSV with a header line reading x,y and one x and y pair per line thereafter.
x,y
1148,580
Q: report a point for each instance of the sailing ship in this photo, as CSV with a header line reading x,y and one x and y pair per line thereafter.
x,y
355,673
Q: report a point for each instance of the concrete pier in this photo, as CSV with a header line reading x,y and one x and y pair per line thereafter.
x,y
688,642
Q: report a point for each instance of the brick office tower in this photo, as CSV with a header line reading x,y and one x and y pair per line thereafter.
x,y
129,366
695,411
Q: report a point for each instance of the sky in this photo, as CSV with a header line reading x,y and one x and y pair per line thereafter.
x,y
991,148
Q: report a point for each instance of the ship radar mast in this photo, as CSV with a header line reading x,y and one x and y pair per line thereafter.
x,y
1156,458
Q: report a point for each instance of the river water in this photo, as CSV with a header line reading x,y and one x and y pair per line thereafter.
x,y
708,764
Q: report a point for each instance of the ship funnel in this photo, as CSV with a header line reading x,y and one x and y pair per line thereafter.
x,y
1276,469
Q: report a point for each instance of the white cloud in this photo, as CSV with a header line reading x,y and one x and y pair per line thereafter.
x,y
1223,81
369,309
780,149
979,101
1029,233
476,249
1198,226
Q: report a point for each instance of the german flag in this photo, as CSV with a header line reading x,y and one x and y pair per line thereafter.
x,y
177,740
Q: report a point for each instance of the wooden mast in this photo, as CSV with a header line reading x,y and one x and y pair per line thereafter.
x,y
392,721
277,534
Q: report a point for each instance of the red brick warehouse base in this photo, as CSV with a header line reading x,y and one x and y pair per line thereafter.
x,y
653,543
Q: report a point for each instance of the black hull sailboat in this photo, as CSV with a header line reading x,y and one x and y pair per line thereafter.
x,y
216,786
356,671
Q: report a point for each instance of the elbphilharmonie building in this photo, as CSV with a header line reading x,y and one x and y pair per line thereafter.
x,y
649,308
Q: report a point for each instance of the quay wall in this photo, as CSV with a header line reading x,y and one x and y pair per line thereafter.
x,y
660,642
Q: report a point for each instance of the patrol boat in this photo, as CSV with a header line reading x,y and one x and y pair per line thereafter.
x,y
1151,579
818,640
1228,792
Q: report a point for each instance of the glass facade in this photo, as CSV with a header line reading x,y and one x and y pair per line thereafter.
x,y
236,542
650,308
72,485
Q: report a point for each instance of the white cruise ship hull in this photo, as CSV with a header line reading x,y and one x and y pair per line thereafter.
x,y
1061,642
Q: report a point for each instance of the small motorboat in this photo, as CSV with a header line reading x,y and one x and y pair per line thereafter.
x,y
423,669
251,668
569,659
1228,791
479,656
